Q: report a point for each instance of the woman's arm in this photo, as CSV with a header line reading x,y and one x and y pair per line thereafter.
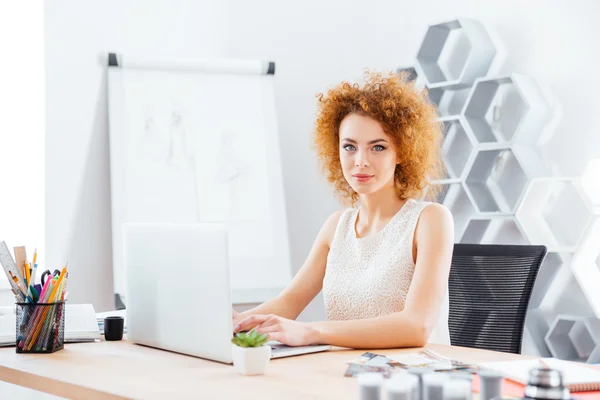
x,y
306,284
434,241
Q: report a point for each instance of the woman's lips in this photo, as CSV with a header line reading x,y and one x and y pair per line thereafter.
x,y
362,177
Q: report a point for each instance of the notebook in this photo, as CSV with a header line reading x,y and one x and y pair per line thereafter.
x,y
578,377
80,324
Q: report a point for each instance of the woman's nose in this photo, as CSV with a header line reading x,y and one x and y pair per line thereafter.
x,y
361,159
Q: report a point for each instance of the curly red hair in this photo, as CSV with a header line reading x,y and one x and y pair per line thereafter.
x,y
406,115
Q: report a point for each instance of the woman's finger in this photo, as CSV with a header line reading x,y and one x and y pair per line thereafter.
x,y
271,321
277,336
250,322
268,329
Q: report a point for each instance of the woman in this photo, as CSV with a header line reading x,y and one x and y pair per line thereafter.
x,y
383,265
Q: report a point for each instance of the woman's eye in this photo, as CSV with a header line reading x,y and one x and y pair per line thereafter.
x,y
349,147
378,148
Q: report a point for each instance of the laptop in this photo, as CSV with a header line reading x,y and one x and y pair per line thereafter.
x,y
178,294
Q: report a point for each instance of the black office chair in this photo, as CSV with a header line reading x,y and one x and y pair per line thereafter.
x,y
490,287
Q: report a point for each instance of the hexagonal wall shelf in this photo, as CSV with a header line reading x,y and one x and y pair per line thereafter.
x,y
574,338
411,71
457,149
590,181
506,109
496,181
493,230
565,295
494,156
586,266
454,197
548,271
449,100
554,212
413,76
536,328
455,52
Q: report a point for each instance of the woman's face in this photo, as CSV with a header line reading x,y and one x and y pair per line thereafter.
x,y
367,154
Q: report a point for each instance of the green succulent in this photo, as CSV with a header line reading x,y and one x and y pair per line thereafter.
x,y
251,339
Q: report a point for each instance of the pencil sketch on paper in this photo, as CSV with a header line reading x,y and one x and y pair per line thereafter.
x,y
168,142
180,154
149,145
160,174
233,182
232,168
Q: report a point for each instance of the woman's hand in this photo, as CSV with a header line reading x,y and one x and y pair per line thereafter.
x,y
235,317
286,331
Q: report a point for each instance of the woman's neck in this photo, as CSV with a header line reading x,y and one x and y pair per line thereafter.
x,y
379,206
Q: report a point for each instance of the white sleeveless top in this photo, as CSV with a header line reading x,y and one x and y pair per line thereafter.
x,y
369,277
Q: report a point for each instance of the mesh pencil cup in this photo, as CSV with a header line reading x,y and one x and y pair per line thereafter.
x,y
40,327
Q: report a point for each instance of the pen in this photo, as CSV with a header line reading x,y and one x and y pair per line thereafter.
x,y
51,284
33,274
45,288
34,267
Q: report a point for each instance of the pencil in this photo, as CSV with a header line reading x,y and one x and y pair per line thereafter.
x,y
30,326
28,280
27,275
48,327
45,313
37,318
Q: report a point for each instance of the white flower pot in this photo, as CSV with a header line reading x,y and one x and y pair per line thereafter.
x,y
251,360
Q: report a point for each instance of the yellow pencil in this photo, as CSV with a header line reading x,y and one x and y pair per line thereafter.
x,y
27,275
60,278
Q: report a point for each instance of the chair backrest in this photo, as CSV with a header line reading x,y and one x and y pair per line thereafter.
x,y
490,287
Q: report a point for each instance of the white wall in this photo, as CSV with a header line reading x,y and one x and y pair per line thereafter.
x,y
22,191
315,44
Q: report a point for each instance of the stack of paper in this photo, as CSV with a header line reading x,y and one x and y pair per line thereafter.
x,y
80,324
7,325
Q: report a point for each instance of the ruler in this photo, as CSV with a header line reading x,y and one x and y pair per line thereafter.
x,y
9,266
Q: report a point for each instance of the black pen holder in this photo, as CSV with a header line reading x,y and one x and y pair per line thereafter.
x,y
40,327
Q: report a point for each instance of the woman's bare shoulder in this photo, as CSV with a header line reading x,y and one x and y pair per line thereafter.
x,y
435,217
436,212
329,226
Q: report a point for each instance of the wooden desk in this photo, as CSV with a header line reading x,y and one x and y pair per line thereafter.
x,y
113,370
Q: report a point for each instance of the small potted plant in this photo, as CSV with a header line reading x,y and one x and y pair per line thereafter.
x,y
250,353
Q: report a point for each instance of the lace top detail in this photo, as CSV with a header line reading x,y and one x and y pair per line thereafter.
x,y
369,277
